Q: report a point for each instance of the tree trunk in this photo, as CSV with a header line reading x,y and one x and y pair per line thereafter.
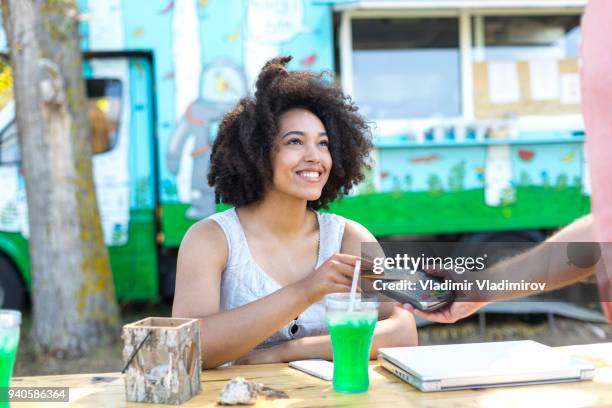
x,y
74,305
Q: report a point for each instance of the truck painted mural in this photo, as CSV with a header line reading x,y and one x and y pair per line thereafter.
x,y
452,186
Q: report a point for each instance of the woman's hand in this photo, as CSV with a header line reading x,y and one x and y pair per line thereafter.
x,y
451,313
334,275
268,355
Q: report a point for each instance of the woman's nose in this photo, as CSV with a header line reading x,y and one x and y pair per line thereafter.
x,y
312,153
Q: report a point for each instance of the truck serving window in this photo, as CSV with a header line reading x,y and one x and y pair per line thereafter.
x,y
406,67
104,103
526,66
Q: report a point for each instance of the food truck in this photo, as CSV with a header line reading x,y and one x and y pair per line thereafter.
x,y
474,107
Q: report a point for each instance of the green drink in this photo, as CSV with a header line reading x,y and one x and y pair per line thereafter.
x,y
9,340
351,336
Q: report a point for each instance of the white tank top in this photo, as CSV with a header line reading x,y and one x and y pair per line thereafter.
x,y
243,281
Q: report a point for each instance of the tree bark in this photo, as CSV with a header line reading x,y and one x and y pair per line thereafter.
x,y
74,305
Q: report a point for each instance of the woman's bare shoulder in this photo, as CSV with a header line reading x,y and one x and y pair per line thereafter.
x,y
201,260
205,240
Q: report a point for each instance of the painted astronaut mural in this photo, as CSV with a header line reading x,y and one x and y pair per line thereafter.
x,y
267,25
216,97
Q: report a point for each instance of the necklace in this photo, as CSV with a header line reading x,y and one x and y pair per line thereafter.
x,y
295,327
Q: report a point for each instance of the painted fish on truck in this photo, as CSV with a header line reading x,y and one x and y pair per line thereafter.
x,y
161,74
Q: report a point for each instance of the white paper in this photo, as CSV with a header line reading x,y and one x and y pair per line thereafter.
x,y
9,220
503,82
544,80
498,176
570,89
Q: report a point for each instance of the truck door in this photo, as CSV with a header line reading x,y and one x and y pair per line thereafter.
x,y
121,118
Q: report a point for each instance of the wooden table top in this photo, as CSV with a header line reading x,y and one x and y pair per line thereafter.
x,y
107,390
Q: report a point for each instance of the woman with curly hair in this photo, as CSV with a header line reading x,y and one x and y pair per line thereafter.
x,y
256,274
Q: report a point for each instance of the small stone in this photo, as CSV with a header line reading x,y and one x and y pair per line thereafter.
x,y
239,392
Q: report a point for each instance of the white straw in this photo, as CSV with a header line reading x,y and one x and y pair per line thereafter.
x,y
354,285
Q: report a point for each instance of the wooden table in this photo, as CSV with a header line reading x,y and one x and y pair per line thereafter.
x,y
385,389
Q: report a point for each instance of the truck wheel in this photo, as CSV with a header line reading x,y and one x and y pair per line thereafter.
x,y
12,288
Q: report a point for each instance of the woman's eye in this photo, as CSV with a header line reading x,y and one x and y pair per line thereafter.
x,y
324,143
294,141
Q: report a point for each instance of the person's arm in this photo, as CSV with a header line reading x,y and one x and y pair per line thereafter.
x,y
596,86
395,328
228,335
546,262
549,261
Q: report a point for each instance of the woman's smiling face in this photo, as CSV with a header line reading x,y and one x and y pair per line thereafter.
x,y
301,160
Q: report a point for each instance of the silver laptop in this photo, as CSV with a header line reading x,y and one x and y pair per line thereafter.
x,y
480,365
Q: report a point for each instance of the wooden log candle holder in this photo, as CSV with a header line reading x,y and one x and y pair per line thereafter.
x,y
163,360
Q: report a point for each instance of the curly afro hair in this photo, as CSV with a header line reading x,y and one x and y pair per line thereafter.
x,y
240,163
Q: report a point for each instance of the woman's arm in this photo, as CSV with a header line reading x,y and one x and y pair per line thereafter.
x,y
228,335
395,328
548,262
394,331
